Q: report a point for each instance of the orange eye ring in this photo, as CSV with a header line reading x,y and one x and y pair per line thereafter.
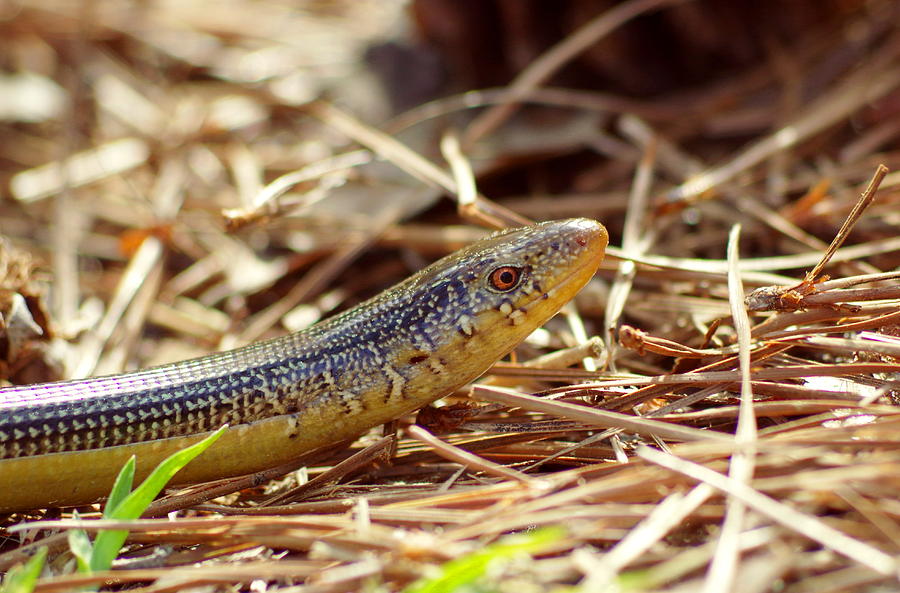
x,y
505,278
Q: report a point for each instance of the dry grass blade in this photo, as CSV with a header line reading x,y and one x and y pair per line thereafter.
x,y
667,515
599,418
780,513
723,567
834,107
636,238
546,65
473,462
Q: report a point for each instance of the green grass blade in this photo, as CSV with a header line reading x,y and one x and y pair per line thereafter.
x,y
108,543
121,487
23,578
463,573
79,543
135,503
81,547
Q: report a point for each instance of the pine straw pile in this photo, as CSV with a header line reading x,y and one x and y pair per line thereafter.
x,y
231,173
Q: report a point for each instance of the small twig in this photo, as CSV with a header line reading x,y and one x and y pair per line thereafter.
x,y
642,342
211,490
865,200
352,464
795,297
468,204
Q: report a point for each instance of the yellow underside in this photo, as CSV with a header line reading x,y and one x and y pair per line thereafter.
x,y
77,477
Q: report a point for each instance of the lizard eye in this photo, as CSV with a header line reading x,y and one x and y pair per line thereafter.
x,y
505,278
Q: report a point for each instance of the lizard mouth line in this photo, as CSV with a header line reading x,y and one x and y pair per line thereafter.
x,y
561,284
